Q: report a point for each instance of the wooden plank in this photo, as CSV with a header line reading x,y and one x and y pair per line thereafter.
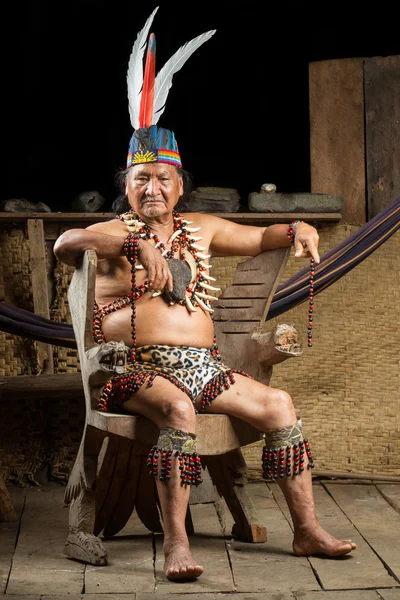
x,y
342,595
130,564
39,566
40,292
382,131
116,482
27,597
8,536
216,596
239,309
361,569
125,504
270,566
41,386
393,594
67,596
206,492
229,432
336,100
270,265
391,494
247,217
232,328
248,292
208,549
188,596
103,483
375,519
228,475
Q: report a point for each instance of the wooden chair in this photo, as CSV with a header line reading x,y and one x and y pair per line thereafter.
x,y
110,478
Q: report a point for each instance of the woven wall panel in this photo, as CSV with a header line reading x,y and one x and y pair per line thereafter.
x,y
17,355
65,360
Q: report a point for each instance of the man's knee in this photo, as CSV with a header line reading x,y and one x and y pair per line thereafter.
x,y
178,413
281,403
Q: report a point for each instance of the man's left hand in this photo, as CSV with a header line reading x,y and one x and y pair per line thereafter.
x,y
306,241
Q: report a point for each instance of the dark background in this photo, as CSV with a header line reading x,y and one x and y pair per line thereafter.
x,y
239,106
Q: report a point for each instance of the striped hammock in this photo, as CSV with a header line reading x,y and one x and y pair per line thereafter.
x,y
334,264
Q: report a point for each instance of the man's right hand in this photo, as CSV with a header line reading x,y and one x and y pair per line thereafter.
x,y
157,268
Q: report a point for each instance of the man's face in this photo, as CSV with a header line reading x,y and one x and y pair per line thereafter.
x,y
153,189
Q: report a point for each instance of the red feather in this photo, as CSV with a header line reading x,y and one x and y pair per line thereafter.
x,y
147,98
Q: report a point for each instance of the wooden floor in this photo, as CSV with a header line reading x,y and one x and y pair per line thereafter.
x,y
32,564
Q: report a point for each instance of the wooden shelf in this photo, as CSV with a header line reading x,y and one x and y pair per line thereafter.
x,y
247,218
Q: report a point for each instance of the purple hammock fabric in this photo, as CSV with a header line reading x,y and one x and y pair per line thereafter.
x,y
334,265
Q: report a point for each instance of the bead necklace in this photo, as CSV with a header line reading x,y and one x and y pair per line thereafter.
x,y
291,235
182,241
311,302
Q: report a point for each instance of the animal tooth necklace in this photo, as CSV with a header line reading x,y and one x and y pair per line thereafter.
x,y
182,242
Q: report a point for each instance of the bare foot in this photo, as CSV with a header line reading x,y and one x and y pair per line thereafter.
x,y
179,563
318,541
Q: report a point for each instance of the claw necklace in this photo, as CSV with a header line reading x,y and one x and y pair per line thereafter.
x,y
182,241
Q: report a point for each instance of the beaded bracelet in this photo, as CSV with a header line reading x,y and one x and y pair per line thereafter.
x,y
290,230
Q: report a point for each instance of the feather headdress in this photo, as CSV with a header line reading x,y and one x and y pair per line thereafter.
x,y
147,96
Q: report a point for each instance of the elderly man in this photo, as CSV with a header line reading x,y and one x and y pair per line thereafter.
x,y
154,292
173,371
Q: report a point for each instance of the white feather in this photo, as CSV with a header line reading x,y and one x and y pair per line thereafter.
x,y
134,75
163,80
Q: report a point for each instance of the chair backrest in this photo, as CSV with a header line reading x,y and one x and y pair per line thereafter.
x,y
81,297
242,309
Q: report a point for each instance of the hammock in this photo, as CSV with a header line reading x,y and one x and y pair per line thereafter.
x,y
334,264
337,262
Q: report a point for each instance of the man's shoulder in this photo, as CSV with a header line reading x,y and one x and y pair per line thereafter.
x,y
113,226
202,218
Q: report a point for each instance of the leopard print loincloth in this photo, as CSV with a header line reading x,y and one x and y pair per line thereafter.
x,y
193,370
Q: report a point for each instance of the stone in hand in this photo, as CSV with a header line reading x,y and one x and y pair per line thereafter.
x,y
181,276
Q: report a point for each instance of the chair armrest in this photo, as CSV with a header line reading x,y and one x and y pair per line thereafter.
x,y
104,361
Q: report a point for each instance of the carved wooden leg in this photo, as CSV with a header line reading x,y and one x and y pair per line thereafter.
x,y
81,544
227,472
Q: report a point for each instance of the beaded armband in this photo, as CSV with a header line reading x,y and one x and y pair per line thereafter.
x,y
290,231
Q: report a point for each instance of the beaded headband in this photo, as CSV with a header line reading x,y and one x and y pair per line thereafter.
x,y
147,95
153,144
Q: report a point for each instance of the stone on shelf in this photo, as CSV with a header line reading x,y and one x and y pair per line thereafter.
x,y
23,205
295,203
89,201
268,188
213,199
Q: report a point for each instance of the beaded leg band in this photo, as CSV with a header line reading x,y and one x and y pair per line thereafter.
x,y
174,443
283,453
